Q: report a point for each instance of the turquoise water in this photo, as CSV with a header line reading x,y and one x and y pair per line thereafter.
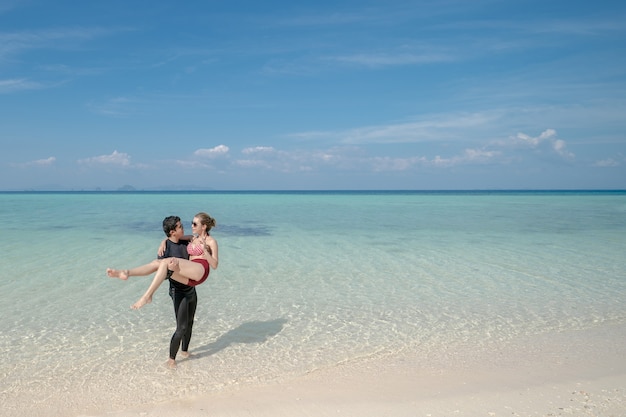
x,y
306,281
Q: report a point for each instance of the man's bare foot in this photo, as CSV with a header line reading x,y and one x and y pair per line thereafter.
x,y
171,364
141,302
118,273
184,354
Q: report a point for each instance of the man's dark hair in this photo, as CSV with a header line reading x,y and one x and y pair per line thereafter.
x,y
169,224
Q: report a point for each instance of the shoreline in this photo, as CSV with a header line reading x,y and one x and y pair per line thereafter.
x,y
576,373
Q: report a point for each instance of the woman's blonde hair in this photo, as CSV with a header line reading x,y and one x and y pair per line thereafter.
x,y
206,220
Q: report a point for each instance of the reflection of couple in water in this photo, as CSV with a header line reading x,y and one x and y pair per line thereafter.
x,y
184,274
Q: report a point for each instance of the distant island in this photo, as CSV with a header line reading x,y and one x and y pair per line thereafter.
x,y
127,188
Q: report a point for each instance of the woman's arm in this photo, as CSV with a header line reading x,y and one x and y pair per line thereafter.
x,y
210,252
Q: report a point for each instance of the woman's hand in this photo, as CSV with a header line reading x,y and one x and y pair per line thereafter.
x,y
161,250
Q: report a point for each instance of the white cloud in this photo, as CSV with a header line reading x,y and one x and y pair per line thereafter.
x,y
215,152
18,42
535,141
479,155
17,84
432,128
116,158
257,149
354,158
469,156
44,162
381,164
390,59
253,163
191,164
609,162
525,139
547,136
437,128
37,163
559,147
269,158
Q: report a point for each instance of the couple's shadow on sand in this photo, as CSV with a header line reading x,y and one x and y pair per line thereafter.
x,y
250,332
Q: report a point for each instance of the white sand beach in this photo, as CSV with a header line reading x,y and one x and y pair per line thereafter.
x,y
581,373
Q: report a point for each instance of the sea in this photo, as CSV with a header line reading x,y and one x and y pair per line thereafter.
x,y
306,281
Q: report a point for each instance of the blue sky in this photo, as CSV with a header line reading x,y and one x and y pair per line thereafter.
x,y
388,94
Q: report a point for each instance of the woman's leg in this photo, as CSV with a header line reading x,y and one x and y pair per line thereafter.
x,y
185,270
139,271
158,279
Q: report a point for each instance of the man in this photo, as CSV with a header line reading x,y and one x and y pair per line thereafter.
x,y
184,296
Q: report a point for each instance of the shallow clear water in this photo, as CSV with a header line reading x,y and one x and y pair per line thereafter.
x,y
306,280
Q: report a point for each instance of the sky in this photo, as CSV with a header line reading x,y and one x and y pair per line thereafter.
x,y
312,95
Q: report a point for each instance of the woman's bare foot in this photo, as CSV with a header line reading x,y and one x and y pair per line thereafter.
x,y
118,273
171,363
141,302
184,354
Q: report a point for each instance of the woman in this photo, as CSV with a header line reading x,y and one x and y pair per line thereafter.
x,y
203,255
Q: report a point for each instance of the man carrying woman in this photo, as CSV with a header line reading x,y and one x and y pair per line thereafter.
x,y
184,274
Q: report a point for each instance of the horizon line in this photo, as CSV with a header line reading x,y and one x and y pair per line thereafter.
x,y
391,190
